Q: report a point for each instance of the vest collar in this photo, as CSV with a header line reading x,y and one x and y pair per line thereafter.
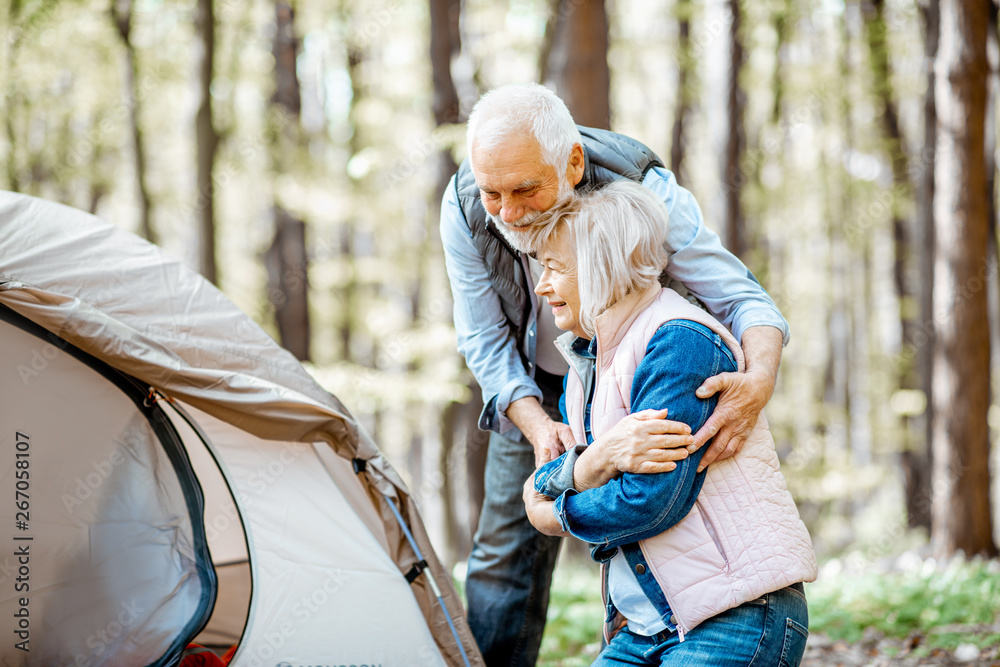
x,y
614,323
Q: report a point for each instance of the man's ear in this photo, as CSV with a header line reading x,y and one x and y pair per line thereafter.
x,y
576,165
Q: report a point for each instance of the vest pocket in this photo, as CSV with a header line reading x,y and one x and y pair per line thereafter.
x,y
685,554
710,529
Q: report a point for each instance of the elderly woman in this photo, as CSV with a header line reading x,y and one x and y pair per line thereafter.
x,y
698,568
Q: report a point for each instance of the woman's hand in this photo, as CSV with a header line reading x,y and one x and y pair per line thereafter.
x,y
643,442
539,509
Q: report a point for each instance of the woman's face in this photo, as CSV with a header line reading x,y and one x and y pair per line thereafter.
x,y
557,284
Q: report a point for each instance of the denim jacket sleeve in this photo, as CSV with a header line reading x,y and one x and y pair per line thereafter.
x,y
710,272
680,356
556,477
483,334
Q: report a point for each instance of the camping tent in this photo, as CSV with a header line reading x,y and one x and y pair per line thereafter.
x,y
160,451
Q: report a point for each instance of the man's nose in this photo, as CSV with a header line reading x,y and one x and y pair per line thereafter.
x,y
510,210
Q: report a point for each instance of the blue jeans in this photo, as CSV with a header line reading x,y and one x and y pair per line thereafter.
x,y
768,632
510,568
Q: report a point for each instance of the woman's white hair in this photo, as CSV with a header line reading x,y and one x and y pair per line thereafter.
x,y
517,108
618,233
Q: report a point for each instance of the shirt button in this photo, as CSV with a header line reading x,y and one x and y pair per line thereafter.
x,y
531,333
673,620
640,569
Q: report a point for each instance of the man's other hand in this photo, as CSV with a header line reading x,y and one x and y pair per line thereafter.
x,y
548,438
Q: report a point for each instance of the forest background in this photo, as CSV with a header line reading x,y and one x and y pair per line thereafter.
x,y
295,154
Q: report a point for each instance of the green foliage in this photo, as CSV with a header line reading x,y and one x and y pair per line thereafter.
x,y
950,605
573,627
958,603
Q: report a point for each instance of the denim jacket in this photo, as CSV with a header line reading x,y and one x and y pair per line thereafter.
x,y
697,260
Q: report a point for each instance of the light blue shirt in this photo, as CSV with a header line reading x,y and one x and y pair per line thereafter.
x,y
697,260
625,592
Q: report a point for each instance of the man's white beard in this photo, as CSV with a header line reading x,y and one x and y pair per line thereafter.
x,y
519,235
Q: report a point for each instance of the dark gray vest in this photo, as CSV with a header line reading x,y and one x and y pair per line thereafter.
x,y
609,157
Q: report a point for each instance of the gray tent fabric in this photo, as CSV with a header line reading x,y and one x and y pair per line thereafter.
x,y
106,528
130,306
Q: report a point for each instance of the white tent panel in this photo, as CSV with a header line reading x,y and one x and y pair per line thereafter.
x,y
226,541
223,528
325,590
345,479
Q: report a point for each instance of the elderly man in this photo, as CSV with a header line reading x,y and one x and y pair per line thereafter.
x,y
524,152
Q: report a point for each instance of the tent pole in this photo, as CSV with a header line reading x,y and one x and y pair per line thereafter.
x,y
430,577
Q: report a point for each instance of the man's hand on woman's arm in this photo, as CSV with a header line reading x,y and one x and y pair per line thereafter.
x,y
549,438
743,396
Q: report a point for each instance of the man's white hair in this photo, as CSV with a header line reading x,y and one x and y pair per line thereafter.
x,y
517,108
618,233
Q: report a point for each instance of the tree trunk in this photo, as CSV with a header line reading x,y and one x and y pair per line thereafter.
x,y
11,97
285,49
960,515
445,44
477,444
207,139
733,176
993,56
783,21
837,426
904,269
549,41
345,322
13,175
288,258
288,282
685,72
858,425
348,241
578,64
122,15
918,468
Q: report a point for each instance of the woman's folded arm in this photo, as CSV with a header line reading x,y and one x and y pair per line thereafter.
x,y
679,357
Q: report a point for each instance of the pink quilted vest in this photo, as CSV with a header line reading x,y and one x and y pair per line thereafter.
x,y
743,538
